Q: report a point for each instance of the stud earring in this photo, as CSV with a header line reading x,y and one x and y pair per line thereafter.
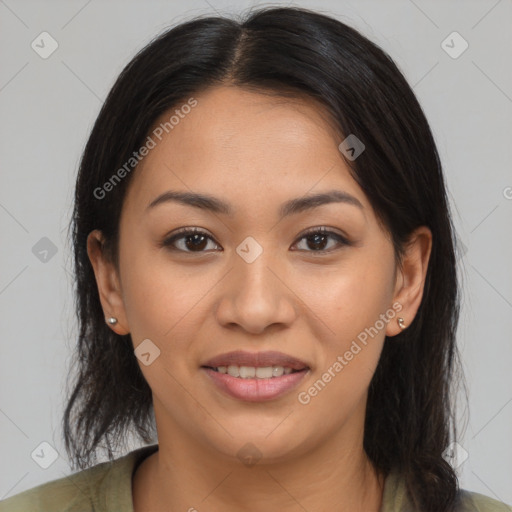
x,y
112,320
401,323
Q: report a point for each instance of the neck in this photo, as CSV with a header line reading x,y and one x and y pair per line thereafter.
x,y
184,475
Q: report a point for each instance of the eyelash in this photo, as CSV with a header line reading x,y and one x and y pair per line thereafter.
x,y
183,233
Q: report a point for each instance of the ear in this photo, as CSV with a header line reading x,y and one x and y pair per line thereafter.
x,y
410,279
108,282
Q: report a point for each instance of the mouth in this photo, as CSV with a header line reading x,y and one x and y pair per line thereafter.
x,y
255,377
255,372
248,365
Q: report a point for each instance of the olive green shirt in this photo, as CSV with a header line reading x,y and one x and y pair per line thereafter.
x,y
107,487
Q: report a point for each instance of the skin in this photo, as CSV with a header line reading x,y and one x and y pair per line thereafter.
x,y
256,152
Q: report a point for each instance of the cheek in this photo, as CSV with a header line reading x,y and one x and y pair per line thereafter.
x,y
350,296
350,305
155,294
349,302
166,301
163,304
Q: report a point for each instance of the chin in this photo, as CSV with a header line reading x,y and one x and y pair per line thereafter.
x,y
258,447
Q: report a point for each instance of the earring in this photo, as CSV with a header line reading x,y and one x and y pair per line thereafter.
x,y
112,320
401,323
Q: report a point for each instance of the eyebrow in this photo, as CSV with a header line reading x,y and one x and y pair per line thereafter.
x,y
291,207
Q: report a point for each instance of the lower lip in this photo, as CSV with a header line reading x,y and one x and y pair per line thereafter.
x,y
255,390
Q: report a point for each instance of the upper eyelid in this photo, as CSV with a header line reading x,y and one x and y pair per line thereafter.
x,y
201,231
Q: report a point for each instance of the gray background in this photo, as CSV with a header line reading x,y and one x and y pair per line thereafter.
x,y
48,106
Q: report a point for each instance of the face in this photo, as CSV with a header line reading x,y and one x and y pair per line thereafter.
x,y
255,278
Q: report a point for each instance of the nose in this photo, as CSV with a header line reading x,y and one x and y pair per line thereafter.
x,y
256,296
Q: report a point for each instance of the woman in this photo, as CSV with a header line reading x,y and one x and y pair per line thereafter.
x,y
265,260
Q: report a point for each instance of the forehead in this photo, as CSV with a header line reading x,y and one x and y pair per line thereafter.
x,y
245,143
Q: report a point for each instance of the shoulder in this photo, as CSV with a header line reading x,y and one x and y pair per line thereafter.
x,y
68,494
105,486
396,498
474,502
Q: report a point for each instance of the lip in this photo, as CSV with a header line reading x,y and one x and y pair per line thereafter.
x,y
257,359
255,390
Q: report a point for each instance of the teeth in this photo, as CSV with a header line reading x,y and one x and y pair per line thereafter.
x,y
247,372
251,372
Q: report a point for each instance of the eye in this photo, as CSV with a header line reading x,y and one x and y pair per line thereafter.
x,y
316,238
195,240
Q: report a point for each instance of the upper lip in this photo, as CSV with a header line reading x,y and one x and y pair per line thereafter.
x,y
256,359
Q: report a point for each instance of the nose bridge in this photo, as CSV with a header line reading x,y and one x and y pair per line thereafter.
x,y
256,296
252,268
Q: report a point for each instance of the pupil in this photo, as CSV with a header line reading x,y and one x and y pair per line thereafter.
x,y
316,241
196,238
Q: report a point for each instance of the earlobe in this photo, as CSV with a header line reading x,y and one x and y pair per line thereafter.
x,y
410,281
108,284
